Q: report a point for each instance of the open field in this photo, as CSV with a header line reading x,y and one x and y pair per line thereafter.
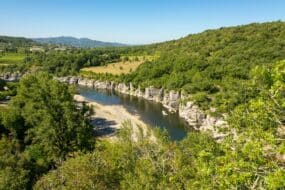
x,y
11,58
115,68
125,66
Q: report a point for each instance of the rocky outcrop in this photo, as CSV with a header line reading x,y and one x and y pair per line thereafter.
x,y
138,92
153,94
11,77
73,80
123,88
69,80
199,120
172,100
103,85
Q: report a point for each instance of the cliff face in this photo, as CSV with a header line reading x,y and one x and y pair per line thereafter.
x,y
199,120
11,77
172,100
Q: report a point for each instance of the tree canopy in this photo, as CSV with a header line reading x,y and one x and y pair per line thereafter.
x,y
44,125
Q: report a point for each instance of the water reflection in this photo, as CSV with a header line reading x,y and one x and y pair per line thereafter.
x,y
150,112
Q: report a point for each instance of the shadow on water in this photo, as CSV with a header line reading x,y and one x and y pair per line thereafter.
x,y
148,111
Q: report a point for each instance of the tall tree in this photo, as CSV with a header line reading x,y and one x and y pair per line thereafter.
x,y
43,113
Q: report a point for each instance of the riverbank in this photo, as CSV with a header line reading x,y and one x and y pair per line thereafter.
x,y
174,101
108,119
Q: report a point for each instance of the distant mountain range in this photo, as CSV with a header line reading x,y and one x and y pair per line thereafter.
x,y
76,42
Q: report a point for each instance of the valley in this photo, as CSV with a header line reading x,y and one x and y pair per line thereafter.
x,y
205,111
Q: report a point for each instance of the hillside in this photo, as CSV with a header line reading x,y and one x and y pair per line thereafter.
x,y
214,66
76,42
14,44
15,41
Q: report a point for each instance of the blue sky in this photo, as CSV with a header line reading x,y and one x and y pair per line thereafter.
x,y
130,21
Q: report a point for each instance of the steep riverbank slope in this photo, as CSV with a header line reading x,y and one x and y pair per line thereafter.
x,y
174,101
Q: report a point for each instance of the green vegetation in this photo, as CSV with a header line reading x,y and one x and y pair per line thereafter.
x,y
11,58
42,118
251,160
126,65
213,66
47,143
76,42
7,89
248,161
13,54
40,128
14,44
70,62
215,63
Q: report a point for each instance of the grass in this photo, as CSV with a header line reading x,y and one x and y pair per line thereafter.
x,y
115,68
11,58
122,67
3,107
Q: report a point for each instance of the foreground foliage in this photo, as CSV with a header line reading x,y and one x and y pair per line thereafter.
x,y
40,129
197,162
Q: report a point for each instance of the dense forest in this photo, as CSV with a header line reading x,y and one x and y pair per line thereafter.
x,y
16,41
48,143
215,66
76,42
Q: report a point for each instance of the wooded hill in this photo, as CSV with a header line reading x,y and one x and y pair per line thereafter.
x,y
76,42
215,66
16,41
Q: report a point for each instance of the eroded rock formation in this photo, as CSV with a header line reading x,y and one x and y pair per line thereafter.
x,y
172,100
11,77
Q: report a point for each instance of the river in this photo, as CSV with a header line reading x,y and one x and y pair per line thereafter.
x,y
150,112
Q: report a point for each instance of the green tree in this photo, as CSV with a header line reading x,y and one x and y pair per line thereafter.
x,y
13,175
43,113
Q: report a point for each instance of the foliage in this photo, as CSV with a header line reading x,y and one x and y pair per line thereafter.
x,y
75,42
7,90
47,126
12,44
70,62
47,143
13,174
197,162
247,159
216,62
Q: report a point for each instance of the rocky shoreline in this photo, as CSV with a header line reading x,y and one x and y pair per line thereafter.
x,y
11,77
174,101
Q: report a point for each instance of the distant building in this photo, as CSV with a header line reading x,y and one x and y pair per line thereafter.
x,y
60,49
37,49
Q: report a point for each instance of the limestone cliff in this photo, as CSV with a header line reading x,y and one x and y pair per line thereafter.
x,y
174,101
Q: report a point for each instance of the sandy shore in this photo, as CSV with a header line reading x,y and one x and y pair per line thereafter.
x,y
111,117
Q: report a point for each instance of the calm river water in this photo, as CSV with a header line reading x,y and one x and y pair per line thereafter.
x,y
148,111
